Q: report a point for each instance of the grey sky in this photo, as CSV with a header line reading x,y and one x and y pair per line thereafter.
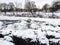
x,y
39,3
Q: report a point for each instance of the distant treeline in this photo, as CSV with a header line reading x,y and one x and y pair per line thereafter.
x,y
29,6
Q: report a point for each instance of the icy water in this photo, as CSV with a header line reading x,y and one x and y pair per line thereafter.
x,y
16,32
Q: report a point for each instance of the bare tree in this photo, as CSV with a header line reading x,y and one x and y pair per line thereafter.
x,y
11,6
45,7
4,7
30,5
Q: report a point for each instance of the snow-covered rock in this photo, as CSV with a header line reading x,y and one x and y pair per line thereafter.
x,y
3,42
8,38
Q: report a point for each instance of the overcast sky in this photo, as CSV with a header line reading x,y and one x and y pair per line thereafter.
x,y
39,3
